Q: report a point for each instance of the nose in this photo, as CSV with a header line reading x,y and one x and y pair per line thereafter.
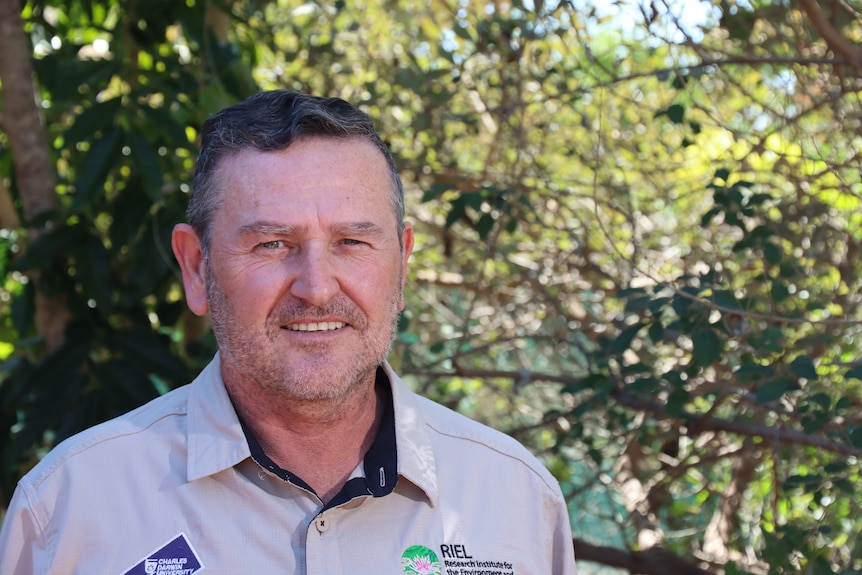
x,y
314,280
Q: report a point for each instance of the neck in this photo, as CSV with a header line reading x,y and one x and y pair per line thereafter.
x,y
321,441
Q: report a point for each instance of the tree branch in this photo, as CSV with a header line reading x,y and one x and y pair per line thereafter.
x,y
653,561
777,434
698,423
834,39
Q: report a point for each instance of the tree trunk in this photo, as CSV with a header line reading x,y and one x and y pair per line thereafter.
x,y
34,170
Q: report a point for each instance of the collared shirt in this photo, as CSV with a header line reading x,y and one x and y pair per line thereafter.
x,y
376,475
171,489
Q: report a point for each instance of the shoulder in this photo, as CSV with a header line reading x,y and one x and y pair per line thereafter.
x,y
466,440
123,434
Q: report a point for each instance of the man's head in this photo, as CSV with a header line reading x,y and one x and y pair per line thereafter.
x,y
296,246
270,121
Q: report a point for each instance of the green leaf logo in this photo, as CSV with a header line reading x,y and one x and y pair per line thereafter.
x,y
420,560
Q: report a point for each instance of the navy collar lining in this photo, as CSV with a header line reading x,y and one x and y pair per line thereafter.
x,y
380,462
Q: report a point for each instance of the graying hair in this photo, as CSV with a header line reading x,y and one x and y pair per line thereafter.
x,y
270,121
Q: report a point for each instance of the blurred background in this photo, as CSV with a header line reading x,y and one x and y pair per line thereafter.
x,y
638,237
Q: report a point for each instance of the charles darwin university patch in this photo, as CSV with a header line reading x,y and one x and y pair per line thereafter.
x,y
176,557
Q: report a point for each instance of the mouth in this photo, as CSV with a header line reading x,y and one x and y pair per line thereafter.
x,y
315,326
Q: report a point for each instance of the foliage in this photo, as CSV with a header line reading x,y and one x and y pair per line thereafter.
x,y
638,242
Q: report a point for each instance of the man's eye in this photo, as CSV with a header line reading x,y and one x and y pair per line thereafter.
x,y
272,245
350,242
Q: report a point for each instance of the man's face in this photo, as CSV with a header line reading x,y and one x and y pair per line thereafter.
x,y
305,274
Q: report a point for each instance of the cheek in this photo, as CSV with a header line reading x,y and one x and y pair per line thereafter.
x,y
371,285
251,287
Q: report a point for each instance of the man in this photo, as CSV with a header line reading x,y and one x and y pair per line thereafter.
x,y
297,450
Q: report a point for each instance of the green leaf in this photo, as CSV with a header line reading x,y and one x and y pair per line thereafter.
x,y
148,349
659,303
637,304
822,400
462,32
485,225
774,389
721,174
473,200
779,291
95,168
803,367
94,269
772,253
645,385
624,340
807,482
435,191
594,381
129,210
656,332
42,253
707,217
770,339
836,467
707,346
843,404
854,372
128,385
739,24
626,292
403,322
457,211
92,121
674,112
677,401
146,164
173,130
726,299
752,371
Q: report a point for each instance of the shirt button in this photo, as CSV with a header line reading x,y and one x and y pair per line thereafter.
x,y
322,524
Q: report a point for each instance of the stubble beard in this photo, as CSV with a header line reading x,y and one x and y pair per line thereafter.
x,y
254,355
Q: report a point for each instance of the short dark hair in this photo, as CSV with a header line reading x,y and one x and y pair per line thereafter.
x,y
269,121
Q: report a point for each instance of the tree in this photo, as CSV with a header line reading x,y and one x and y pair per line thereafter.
x,y
637,242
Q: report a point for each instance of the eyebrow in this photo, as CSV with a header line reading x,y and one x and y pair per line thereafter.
x,y
346,228
264,228
356,228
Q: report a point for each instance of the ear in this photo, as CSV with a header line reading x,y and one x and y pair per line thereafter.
x,y
190,256
407,242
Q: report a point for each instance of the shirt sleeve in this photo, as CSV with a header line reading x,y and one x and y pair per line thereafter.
x,y
22,543
562,544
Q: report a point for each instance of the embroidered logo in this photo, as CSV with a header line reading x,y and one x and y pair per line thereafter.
x,y
176,557
420,560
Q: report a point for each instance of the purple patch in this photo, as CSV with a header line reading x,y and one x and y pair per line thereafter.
x,y
175,557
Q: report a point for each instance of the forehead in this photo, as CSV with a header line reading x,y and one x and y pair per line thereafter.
x,y
327,174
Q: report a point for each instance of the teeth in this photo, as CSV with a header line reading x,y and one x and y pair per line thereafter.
x,y
320,326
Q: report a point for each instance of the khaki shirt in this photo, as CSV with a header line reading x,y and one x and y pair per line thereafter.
x,y
170,489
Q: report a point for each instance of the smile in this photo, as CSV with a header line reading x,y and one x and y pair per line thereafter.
x,y
320,326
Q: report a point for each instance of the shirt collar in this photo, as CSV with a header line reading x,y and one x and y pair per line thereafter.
x,y
416,461
216,440
376,475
